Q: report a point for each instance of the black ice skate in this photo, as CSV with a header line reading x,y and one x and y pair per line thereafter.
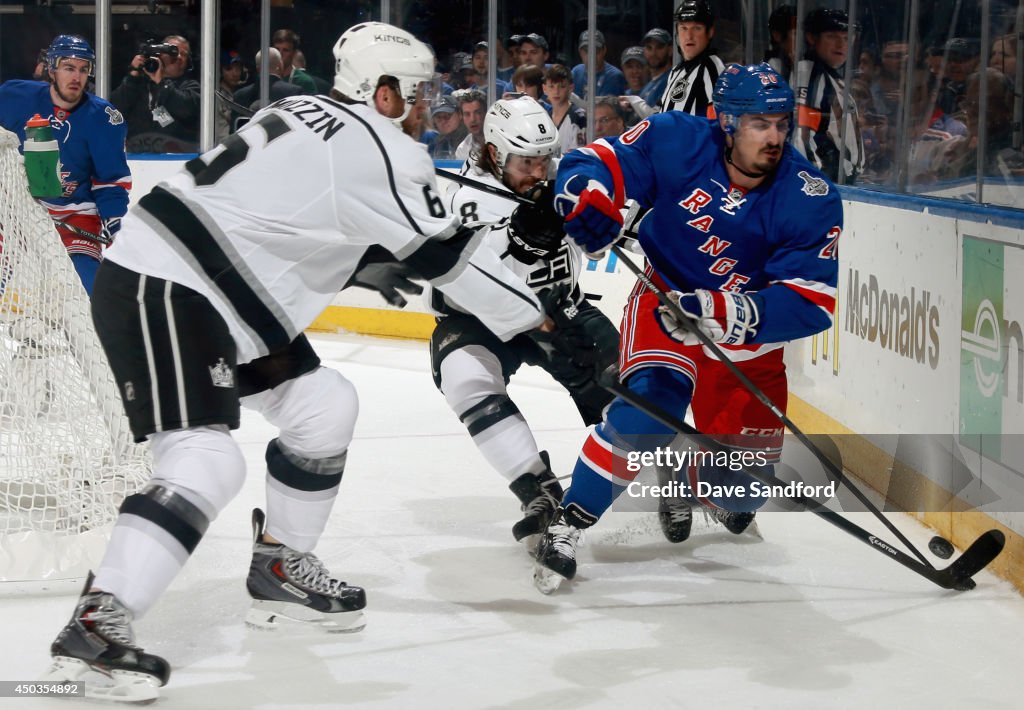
x,y
556,554
540,495
674,513
735,523
291,588
98,647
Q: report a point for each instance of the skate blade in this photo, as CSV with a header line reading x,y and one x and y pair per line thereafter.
x,y
134,688
274,616
546,581
531,542
753,530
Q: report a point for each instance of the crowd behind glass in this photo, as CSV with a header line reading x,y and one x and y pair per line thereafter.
x,y
935,111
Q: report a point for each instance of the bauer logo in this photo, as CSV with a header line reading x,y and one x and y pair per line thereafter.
x,y
991,348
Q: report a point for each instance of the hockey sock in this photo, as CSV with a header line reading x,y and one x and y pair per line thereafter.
x,y
605,466
300,495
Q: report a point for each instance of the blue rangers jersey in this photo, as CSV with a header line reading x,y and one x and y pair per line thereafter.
x,y
93,169
779,240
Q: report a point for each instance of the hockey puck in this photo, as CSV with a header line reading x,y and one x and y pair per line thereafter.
x,y
941,547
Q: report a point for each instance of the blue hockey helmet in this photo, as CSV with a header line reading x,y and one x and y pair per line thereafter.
x,y
755,88
69,47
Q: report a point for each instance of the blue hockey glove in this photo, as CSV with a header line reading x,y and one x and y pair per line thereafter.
x,y
723,316
592,219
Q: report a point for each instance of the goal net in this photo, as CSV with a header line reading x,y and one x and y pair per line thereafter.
x,y
67,458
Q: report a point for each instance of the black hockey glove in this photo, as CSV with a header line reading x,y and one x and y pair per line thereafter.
x,y
379,271
582,333
535,231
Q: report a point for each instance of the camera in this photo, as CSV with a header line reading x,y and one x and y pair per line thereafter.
x,y
152,51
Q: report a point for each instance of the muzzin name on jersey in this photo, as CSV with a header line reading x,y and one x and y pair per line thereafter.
x,y
314,115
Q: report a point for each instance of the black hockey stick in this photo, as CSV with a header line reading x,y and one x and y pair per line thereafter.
x,y
82,232
956,576
816,451
711,345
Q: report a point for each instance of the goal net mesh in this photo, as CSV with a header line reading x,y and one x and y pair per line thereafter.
x,y
67,458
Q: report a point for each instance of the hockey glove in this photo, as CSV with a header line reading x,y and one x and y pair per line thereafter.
x,y
582,333
592,219
723,316
535,231
108,229
379,271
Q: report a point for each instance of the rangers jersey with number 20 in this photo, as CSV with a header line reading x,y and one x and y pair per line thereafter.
x,y
777,242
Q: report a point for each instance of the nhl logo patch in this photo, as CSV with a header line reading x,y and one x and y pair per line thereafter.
x,y
222,375
813,186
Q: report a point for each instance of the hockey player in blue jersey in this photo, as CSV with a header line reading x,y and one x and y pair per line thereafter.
x,y
90,134
742,234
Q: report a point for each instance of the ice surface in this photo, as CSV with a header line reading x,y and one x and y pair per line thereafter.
x,y
806,618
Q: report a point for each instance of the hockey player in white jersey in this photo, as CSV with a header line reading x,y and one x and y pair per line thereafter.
x,y
471,366
204,302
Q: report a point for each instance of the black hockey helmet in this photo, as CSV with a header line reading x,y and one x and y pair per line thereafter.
x,y
695,11
826,19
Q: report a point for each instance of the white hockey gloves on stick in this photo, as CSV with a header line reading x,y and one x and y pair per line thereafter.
x,y
725,317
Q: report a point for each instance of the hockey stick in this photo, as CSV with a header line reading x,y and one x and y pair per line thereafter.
x,y
956,576
99,239
815,450
711,345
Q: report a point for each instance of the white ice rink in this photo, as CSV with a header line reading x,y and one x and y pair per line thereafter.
x,y
806,618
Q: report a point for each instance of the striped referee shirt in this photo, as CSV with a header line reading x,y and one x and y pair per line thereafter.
x,y
690,84
819,97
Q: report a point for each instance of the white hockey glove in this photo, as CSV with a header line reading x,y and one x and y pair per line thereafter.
x,y
723,316
108,229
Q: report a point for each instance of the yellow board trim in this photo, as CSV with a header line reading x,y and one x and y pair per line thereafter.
x,y
374,321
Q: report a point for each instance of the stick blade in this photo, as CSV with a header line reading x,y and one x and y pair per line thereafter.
x,y
975,558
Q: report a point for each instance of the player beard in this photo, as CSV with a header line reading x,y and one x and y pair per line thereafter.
x,y
768,159
70,98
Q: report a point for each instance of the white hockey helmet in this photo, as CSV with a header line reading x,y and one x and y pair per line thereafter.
x,y
520,126
369,50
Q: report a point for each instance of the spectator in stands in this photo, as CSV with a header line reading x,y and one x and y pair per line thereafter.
x,y
513,46
609,118
299,62
479,64
819,116
961,56
931,131
506,65
570,120
658,53
231,72
473,106
447,118
529,79
609,79
287,42
161,106
249,96
1004,55
634,69
534,50
39,72
887,87
782,40
961,154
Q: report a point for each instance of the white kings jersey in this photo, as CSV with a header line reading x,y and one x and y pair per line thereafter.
x,y
472,206
271,224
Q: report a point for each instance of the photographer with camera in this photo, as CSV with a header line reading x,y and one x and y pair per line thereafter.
x,y
159,103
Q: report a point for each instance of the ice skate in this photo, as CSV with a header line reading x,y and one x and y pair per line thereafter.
x,y
98,647
291,588
540,495
556,554
736,523
674,513
676,518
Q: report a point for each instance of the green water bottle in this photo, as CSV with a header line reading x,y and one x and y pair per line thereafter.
x,y
42,158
